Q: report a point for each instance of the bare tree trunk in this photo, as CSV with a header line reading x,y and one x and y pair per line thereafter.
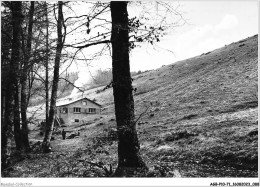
x,y
47,67
25,71
50,124
129,158
17,123
16,9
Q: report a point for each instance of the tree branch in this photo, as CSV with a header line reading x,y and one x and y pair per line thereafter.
x,y
108,172
88,45
142,114
79,88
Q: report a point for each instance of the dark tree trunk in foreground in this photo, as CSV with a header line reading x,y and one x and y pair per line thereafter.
x,y
16,9
129,158
50,122
25,71
17,119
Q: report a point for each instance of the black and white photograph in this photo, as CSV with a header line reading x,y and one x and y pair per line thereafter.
x,y
126,93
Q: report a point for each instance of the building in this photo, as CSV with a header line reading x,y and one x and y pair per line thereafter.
x,y
71,112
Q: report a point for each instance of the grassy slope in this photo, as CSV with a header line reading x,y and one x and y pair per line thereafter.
x,y
201,123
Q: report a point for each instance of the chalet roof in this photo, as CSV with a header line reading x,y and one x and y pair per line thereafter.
x,y
70,101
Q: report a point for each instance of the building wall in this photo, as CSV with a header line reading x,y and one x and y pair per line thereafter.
x,y
70,117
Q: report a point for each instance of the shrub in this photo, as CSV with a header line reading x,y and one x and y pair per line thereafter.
x,y
178,135
189,116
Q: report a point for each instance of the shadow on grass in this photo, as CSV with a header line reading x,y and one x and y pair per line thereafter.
x,y
241,106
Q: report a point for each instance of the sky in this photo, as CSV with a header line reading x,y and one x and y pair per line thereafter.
x,y
210,25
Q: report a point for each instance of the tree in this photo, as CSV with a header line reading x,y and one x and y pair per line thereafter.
x,y
25,60
51,117
129,158
6,48
46,66
17,17
24,79
126,33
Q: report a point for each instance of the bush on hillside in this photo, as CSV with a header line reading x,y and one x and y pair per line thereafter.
x,y
179,135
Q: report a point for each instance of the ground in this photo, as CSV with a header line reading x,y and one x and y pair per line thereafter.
x,y
201,121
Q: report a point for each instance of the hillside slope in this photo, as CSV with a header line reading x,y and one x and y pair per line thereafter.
x,y
228,74
202,121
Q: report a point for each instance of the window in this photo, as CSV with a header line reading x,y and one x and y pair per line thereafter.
x,y
84,103
76,110
92,110
76,120
64,110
